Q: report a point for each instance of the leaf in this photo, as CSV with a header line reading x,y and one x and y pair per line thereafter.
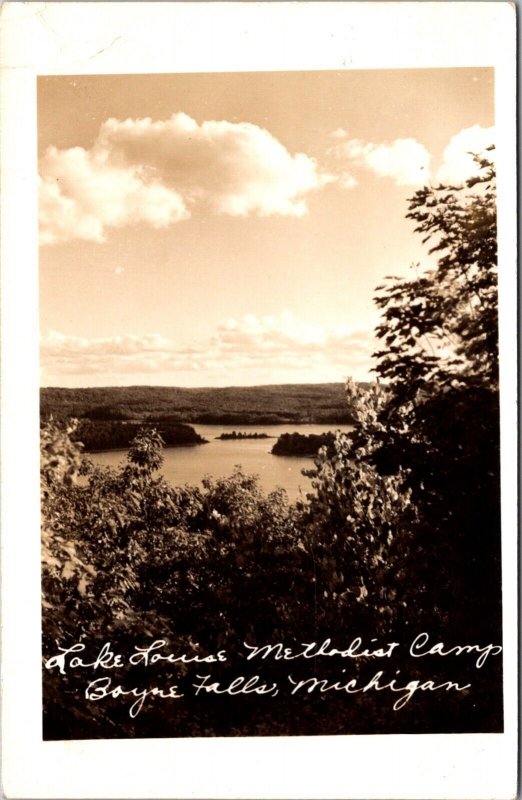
x,y
68,570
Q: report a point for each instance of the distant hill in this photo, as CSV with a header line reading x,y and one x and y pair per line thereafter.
x,y
237,405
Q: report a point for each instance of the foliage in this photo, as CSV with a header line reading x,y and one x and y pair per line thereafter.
x,y
429,433
441,328
359,523
443,412
126,555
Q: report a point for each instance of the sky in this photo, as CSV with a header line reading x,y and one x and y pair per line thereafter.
x,y
230,229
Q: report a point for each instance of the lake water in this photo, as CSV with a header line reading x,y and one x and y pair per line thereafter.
x,y
218,458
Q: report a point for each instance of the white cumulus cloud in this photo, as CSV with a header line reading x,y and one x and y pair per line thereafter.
x,y
458,163
82,193
140,170
406,161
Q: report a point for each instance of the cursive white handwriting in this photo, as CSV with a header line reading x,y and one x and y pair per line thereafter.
x,y
313,650
101,688
105,659
309,685
149,655
420,643
239,685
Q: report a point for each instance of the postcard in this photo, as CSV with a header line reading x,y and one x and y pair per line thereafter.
x,y
259,441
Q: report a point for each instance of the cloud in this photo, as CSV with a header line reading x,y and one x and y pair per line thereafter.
x,y
406,161
140,170
458,164
347,180
280,346
82,193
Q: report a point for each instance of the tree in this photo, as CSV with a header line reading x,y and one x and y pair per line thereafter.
x,y
441,328
429,431
441,423
129,558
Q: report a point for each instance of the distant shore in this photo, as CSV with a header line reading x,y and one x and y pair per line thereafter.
x,y
260,406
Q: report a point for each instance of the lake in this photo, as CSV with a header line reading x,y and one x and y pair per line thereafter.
x,y
218,458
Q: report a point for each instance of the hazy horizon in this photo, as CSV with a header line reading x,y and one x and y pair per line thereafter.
x,y
224,386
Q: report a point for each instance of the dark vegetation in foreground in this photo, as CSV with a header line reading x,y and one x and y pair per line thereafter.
x,y
248,405
399,535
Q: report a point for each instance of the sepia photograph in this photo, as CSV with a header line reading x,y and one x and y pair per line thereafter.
x,y
269,405
259,443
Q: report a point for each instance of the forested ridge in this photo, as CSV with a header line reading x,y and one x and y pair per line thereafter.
x,y
398,537
261,405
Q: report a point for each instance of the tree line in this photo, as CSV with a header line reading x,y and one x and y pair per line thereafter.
x,y
250,405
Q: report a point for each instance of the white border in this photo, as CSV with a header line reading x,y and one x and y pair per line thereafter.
x,y
88,38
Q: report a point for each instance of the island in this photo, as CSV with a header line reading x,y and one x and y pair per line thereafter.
x,y
238,435
299,444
